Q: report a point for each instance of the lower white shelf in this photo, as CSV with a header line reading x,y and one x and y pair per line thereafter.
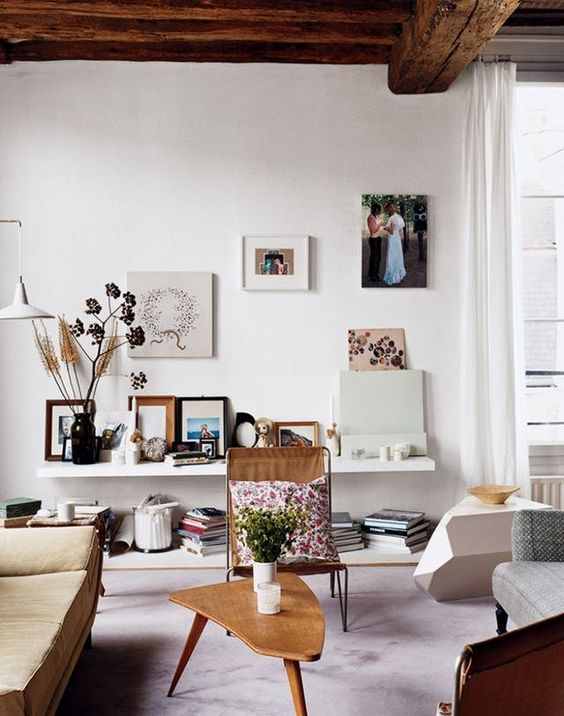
x,y
179,559
339,465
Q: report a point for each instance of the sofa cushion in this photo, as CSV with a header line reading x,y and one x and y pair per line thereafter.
x,y
46,550
529,591
42,618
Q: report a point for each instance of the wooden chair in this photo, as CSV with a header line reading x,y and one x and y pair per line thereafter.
x,y
297,464
519,673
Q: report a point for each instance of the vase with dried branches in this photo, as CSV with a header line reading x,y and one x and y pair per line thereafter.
x,y
77,371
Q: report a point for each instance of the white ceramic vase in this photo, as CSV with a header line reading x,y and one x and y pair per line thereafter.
x,y
263,572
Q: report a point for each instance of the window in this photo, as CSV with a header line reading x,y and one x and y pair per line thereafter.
x,y
540,112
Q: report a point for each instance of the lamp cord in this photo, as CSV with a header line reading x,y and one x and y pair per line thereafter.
x,y
19,223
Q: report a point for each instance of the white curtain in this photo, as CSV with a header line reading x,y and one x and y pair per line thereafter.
x,y
493,430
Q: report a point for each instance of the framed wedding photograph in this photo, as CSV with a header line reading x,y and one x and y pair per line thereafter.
x,y
58,420
275,263
297,434
154,415
203,419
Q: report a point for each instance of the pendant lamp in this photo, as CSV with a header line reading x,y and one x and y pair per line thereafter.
x,y
20,306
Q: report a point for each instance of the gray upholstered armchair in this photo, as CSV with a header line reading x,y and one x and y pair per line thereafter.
x,y
531,587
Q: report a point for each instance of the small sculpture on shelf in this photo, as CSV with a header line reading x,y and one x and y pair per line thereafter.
x,y
333,440
263,428
154,449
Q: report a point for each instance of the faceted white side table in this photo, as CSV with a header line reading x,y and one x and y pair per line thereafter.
x,y
469,541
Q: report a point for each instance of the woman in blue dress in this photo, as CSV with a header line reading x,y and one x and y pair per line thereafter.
x,y
395,268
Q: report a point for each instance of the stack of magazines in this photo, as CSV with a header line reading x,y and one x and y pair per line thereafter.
x,y
185,458
405,531
203,531
346,533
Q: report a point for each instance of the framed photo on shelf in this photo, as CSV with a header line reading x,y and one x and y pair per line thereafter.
x,y
208,445
67,450
154,415
275,263
58,420
297,434
202,419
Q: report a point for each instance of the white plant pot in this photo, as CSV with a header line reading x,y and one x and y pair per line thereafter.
x,y
263,572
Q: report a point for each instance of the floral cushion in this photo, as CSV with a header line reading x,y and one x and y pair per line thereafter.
x,y
315,544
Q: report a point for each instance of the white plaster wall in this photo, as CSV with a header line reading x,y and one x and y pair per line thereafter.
x,y
115,167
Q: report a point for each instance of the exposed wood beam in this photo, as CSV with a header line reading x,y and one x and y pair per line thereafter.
x,y
202,52
4,53
347,11
536,18
103,29
441,40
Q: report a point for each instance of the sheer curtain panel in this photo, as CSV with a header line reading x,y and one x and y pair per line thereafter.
x,y
493,431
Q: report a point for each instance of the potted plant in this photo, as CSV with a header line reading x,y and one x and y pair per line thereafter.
x,y
79,389
268,533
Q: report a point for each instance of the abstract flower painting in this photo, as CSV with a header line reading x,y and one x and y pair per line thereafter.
x,y
175,310
376,349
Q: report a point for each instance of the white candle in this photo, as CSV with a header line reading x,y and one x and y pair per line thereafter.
x,y
268,598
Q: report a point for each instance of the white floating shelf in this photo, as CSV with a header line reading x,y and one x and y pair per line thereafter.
x,y
218,468
179,559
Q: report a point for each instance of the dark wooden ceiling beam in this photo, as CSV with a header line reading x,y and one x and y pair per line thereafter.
x,y
4,53
441,40
202,52
346,11
102,29
536,18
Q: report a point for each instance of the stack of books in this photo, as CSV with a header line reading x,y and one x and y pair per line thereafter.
x,y
346,533
203,531
185,458
405,531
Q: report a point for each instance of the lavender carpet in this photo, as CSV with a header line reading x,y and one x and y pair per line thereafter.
x,y
397,659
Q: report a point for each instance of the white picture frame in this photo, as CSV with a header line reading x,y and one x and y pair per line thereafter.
x,y
175,309
275,263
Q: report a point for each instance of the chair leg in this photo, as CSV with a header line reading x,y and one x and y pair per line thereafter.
x,y
501,618
332,583
343,597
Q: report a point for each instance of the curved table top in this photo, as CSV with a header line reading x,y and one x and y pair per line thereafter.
x,y
297,632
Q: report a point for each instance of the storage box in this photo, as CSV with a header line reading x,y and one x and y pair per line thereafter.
x,y
18,507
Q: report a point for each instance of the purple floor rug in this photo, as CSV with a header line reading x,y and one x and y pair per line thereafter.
x,y
397,659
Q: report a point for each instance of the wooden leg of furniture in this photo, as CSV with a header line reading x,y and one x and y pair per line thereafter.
x,y
102,590
296,686
195,632
501,618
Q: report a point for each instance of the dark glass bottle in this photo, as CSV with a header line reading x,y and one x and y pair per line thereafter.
x,y
83,438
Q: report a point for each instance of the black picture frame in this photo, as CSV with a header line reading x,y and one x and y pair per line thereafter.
x,y
209,446
203,418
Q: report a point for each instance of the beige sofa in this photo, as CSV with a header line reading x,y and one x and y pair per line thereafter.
x,y
49,585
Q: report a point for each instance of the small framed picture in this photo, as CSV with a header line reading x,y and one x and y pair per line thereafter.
x,y
58,420
207,445
297,434
202,419
67,450
154,415
275,263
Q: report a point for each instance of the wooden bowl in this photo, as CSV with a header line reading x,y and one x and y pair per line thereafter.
x,y
493,494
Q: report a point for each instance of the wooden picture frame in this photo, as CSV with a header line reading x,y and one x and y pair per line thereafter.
x,y
203,418
58,419
155,413
296,433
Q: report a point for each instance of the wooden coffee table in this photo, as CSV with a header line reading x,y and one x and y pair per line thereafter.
x,y
295,634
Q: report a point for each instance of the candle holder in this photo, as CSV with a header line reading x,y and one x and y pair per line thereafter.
x,y
268,598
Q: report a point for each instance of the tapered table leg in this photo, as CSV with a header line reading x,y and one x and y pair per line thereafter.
x,y
296,686
195,632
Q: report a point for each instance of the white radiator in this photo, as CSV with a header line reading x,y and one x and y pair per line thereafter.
x,y
548,489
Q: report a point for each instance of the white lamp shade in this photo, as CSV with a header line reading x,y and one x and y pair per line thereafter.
x,y
21,308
